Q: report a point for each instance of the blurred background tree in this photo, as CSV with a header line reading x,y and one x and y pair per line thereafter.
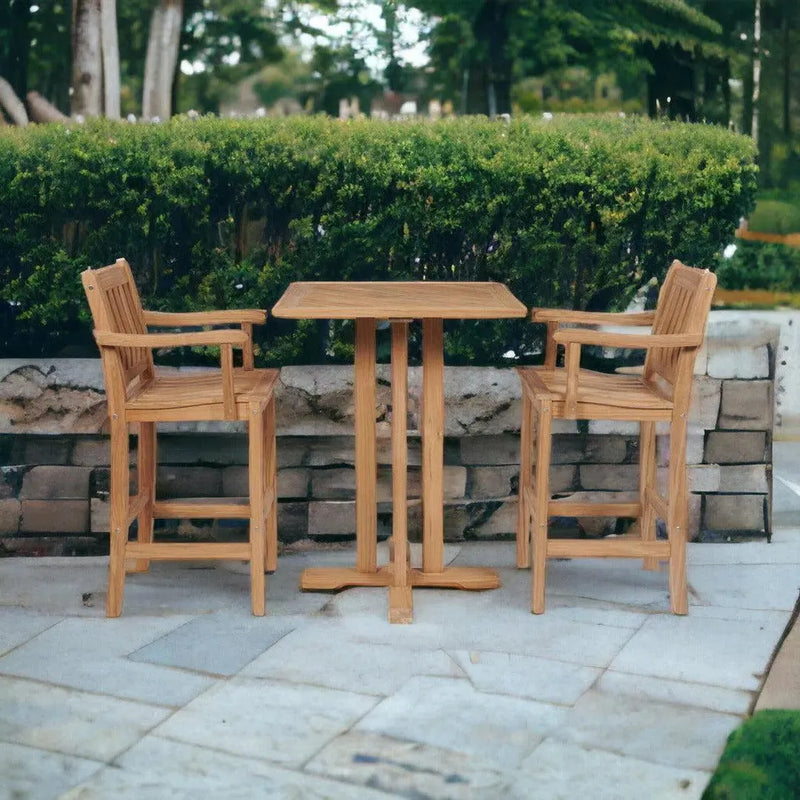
x,y
690,59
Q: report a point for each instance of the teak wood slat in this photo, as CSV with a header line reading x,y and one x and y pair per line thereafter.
x,y
661,393
138,393
399,302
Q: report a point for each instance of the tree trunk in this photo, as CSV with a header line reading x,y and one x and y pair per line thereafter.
x,y
87,65
15,68
162,58
491,31
756,70
43,111
671,84
500,63
110,50
12,104
787,75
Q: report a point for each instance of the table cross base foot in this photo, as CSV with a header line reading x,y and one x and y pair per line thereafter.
x,y
322,579
401,606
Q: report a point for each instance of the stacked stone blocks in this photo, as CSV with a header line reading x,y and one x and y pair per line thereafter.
x,y
54,478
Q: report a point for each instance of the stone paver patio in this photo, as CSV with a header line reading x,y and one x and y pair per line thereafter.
x,y
607,695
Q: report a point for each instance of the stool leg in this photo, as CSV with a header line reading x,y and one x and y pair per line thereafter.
x,y
255,436
120,488
271,481
677,513
523,515
647,481
541,502
146,478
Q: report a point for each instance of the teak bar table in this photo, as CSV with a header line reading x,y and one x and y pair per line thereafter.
x,y
400,303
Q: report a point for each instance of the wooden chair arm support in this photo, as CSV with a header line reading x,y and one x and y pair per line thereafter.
x,y
572,365
643,341
233,316
564,315
235,338
226,339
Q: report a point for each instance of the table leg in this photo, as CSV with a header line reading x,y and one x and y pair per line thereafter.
x,y
400,602
366,456
433,572
366,572
432,429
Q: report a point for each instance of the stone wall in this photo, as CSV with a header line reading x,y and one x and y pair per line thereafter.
x,y
54,452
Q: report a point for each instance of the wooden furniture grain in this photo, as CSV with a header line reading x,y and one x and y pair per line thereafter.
x,y
399,302
139,393
660,394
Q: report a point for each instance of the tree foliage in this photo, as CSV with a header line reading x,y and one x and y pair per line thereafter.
x,y
489,43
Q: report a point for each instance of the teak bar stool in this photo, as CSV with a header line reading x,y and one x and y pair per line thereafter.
x,y
137,392
661,393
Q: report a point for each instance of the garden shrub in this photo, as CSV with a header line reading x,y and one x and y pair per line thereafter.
x,y
761,760
574,212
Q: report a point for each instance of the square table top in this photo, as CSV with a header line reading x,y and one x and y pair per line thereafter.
x,y
398,300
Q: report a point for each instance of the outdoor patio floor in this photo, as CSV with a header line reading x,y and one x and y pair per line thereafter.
x,y
607,695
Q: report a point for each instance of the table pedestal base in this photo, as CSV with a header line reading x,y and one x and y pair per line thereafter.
x,y
316,579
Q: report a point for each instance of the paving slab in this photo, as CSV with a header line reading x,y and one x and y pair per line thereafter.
x,y
530,677
449,713
639,727
677,692
159,769
750,586
561,771
365,667
221,643
91,654
72,723
487,621
696,649
69,581
29,772
18,625
279,722
408,769
620,581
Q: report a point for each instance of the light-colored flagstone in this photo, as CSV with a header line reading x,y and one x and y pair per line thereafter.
x,y
279,722
70,722
157,769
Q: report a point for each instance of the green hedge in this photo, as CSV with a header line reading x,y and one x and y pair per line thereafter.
x,y
224,213
761,265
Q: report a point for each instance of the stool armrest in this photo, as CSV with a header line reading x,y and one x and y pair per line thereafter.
x,y
155,340
643,341
565,315
180,319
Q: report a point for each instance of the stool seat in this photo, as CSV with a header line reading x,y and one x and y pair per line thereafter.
x,y
201,393
598,394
